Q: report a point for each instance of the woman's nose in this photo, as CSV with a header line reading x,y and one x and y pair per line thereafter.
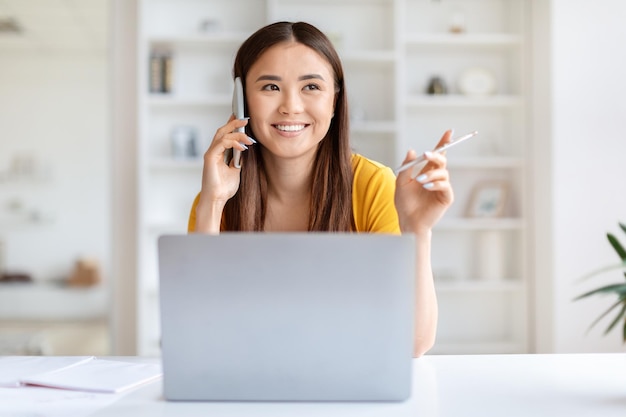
x,y
291,103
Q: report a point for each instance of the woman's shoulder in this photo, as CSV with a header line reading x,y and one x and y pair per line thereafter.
x,y
365,168
373,196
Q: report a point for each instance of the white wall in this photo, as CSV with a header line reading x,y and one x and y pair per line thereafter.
x,y
587,170
55,108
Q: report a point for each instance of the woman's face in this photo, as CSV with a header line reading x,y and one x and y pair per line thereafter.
x,y
291,94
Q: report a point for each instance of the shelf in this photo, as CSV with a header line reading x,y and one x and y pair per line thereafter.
x,y
484,162
170,100
165,227
363,126
336,2
172,163
368,57
464,39
469,224
457,100
25,222
10,179
216,38
33,301
478,286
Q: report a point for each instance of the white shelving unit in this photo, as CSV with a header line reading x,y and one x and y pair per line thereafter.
x,y
390,50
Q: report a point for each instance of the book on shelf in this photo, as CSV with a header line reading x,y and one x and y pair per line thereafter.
x,y
161,68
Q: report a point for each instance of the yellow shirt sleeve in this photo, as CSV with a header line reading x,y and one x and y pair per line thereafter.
x,y
191,223
373,190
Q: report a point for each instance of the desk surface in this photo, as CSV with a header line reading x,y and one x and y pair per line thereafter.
x,y
464,385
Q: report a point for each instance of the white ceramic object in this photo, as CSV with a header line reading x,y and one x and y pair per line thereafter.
x,y
477,82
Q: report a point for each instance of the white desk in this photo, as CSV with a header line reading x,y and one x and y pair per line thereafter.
x,y
480,385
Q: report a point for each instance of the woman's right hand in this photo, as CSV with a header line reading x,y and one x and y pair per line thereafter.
x,y
220,181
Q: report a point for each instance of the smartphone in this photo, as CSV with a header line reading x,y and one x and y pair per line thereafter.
x,y
237,108
439,149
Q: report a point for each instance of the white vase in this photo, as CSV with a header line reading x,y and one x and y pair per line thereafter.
x,y
492,255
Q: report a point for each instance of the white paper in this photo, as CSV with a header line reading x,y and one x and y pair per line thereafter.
x,y
48,402
14,368
98,375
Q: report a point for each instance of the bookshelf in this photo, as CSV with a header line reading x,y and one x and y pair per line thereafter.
x,y
390,52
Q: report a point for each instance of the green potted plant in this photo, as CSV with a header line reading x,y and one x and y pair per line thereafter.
x,y
619,289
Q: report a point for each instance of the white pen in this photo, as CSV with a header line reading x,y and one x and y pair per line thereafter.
x,y
438,150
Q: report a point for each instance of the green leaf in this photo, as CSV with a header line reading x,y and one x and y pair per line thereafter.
x,y
617,319
623,226
620,301
624,332
621,252
607,268
613,288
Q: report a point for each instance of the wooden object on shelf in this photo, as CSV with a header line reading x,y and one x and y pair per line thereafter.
x,y
86,273
15,277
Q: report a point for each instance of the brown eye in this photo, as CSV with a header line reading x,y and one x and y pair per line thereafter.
x,y
270,87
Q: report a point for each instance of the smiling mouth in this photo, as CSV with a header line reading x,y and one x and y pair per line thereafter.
x,y
290,128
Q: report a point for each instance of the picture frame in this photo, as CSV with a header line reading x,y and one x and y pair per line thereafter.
x,y
488,199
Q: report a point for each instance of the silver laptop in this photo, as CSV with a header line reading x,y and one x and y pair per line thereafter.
x,y
287,316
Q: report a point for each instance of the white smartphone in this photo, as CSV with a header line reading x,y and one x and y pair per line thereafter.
x,y
438,150
237,108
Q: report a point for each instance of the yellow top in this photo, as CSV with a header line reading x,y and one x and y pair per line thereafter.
x,y
373,189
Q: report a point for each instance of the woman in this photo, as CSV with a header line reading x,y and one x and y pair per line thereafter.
x,y
299,174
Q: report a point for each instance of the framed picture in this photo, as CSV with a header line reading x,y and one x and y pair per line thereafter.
x,y
488,199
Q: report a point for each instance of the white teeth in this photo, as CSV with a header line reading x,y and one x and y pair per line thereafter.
x,y
290,128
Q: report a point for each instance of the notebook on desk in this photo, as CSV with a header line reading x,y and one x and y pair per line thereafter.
x,y
287,317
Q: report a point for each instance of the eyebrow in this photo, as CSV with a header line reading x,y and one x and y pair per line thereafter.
x,y
301,78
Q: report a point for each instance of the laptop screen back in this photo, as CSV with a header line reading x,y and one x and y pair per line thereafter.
x,y
287,317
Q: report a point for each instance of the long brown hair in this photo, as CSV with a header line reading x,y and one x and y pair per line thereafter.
x,y
331,191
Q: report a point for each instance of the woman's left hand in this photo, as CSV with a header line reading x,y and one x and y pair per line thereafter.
x,y
421,201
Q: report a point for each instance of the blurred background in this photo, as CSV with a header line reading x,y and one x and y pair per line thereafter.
x,y
90,174
55,164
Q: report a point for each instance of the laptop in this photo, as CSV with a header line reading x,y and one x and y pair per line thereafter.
x,y
287,316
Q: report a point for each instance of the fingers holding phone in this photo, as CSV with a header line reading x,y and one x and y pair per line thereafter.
x,y
220,180
221,173
235,141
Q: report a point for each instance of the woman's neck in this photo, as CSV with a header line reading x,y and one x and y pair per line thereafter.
x,y
289,180
288,195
